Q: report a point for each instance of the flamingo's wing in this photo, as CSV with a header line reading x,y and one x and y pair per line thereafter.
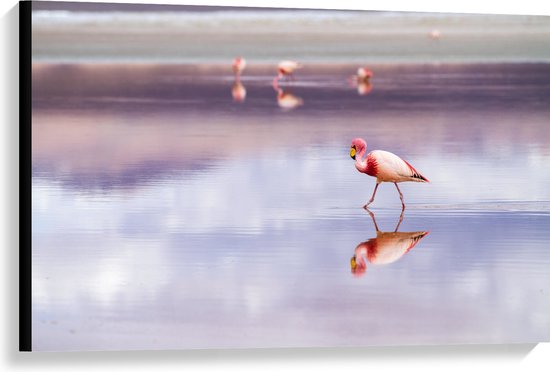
x,y
289,65
390,164
393,245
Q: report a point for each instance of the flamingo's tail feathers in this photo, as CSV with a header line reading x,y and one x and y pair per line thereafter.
x,y
416,238
420,178
415,175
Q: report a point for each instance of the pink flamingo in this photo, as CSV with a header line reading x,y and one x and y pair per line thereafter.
x,y
287,68
435,34
385,248
238,66
362,81
383,165
363,74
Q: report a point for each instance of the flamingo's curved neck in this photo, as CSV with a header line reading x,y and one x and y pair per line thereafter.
x,y
360,163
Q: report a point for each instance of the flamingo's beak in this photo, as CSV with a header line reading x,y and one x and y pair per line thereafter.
x,y
352,152
353,263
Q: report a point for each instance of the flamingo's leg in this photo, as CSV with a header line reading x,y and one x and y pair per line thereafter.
x,y
400,196
373,219
372,197
400,220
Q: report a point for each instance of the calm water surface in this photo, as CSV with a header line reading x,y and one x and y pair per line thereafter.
x,y
167,214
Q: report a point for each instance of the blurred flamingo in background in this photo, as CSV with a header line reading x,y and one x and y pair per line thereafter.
x,y
364,73
362,81
239,64
385,248
435,34
383,165
287,68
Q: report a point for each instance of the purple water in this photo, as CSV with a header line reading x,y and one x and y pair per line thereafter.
x,y
168,215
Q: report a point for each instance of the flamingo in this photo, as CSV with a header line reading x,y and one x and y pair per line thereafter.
x,y
385,248
434,34
361,81
363,74
238,66
238,91
287,68
383,165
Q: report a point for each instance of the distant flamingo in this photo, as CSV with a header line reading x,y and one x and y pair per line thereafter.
x,y
287,68
385,248
435,34
383,165
238,66
238,91
364,73
362,81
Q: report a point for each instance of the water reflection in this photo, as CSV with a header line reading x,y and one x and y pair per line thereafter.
x,y
127,185
385,248
285,99
238,91
288,101
364,88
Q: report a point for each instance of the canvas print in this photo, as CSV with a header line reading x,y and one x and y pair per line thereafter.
x,y
224,177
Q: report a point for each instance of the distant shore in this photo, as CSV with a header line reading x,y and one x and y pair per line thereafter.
x,y
268,36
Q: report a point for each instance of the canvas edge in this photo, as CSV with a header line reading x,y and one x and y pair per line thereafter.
x,y
25,174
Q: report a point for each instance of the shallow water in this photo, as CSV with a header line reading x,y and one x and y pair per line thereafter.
x,y
166,214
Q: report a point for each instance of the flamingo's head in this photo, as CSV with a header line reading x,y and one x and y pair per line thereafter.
x,y
238,60
357,145
239,64
358,267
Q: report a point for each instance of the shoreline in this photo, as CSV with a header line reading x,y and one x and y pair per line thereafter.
x,y
260,67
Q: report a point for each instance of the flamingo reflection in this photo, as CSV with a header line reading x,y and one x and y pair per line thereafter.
x,y
364,88
285,99
385,248
238,91
288,101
